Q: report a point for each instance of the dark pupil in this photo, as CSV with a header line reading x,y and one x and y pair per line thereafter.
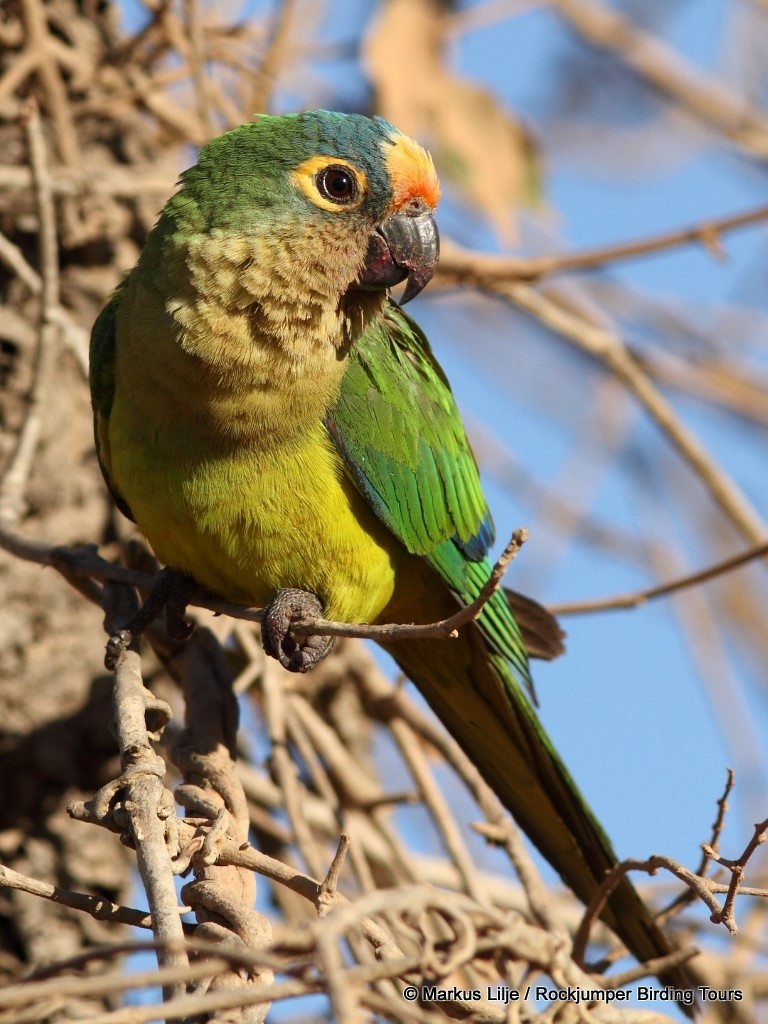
x,y
338,184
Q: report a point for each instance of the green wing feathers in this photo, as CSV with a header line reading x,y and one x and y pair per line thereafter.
x,y
397,422
398,429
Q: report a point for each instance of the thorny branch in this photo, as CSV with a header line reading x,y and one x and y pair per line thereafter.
x,y
726,914
698,885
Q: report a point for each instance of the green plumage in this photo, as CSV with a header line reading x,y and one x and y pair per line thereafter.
x,y
398,429
271,420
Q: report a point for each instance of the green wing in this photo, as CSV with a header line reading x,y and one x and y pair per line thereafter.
x,y
102,380
399,432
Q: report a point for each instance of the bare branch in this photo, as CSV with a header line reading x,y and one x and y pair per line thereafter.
x,y
633,600
13,484
471,266
736,867
96,906
444,629
607,348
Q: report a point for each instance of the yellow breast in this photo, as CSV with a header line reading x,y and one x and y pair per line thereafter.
x,y
246,522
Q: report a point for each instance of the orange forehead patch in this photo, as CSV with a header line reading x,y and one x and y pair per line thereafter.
x,y
411,172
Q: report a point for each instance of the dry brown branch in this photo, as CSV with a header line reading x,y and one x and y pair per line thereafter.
x,y
274,57
704,888
446,628
391,704
13,258
117,182
736,867
221,895
286,773
43,57
138,801
197,63
434,800
79,562
469,266
688,895
16,475
61,987
97,907
640,597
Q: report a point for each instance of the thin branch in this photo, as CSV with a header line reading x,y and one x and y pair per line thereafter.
x,y
636,598
469,265
13,258
688,895
115,182
504,833
112,982
41,55
197,64
736,867
704,888
248,857
99,908
274,56
657,967
444,629
285,771
14,482
327,893
432,796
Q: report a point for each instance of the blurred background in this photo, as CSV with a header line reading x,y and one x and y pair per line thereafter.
x,y
600,312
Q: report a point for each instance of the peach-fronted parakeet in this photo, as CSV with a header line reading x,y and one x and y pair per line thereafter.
x,y
272,420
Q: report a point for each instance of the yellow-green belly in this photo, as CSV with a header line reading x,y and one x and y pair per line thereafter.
x,y
247,522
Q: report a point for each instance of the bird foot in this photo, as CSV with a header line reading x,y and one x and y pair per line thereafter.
x,y
296,653
171,592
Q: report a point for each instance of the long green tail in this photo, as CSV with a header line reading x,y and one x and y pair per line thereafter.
x,y
474,694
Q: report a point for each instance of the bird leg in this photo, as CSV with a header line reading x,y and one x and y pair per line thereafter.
x,y
172,591
297,654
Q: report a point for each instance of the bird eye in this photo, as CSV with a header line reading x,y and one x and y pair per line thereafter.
x,y
338,184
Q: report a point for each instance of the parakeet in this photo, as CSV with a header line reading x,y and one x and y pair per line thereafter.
x,y
272,420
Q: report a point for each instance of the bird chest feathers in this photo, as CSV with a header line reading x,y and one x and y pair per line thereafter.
x,y
230,471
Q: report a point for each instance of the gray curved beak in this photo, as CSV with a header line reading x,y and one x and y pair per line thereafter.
x,y
405,245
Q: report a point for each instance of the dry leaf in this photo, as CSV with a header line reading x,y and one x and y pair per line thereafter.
x,y
477,144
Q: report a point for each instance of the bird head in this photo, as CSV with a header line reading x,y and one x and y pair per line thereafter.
x,y
337,205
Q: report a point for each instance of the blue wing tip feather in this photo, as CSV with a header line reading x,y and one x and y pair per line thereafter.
x,y
476,548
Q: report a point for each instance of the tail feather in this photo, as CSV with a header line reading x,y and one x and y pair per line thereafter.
x,y
541,631
476,697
